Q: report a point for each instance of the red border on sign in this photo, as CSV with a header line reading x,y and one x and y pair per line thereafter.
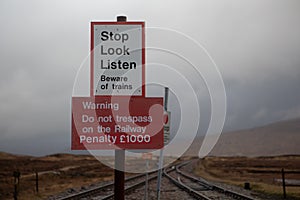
x,y
92,56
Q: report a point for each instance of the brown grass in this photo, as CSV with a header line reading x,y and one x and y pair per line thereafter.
x,y
258,171
57,173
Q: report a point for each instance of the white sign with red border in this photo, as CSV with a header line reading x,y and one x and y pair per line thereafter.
x,y
117,59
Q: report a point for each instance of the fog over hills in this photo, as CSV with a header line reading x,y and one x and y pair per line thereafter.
x,y
253,46
280,138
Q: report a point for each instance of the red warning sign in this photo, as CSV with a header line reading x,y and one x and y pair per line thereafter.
x,y
117,123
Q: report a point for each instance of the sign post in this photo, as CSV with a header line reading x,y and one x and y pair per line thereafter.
x,y
161,153
119,188
117,115
147,157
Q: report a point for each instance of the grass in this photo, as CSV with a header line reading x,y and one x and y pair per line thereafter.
x,y
238,170
57,173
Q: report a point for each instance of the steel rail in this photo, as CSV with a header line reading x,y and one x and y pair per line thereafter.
x,y
211,186
98,190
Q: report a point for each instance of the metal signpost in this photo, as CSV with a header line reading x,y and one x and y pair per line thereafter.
x,y
161,153
147,157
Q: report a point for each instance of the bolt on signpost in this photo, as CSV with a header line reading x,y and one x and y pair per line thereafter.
x,y
110,117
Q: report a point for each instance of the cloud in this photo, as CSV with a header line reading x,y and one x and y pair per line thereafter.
x,y
255,44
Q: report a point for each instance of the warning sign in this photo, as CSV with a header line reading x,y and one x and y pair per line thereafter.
x,y
117,115
119,123
117,58
166,120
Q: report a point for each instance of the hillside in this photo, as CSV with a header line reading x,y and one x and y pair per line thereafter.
x,y
280,138
57,173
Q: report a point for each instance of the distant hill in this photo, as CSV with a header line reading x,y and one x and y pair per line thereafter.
x,y
280,138
8,156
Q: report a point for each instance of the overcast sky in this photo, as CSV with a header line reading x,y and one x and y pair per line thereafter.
x,y
255,44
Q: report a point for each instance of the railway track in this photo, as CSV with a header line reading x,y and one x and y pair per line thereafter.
x,y
195,188
106,191
200,188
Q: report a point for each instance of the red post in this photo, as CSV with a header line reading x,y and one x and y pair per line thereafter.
x,y
119,175
119,186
